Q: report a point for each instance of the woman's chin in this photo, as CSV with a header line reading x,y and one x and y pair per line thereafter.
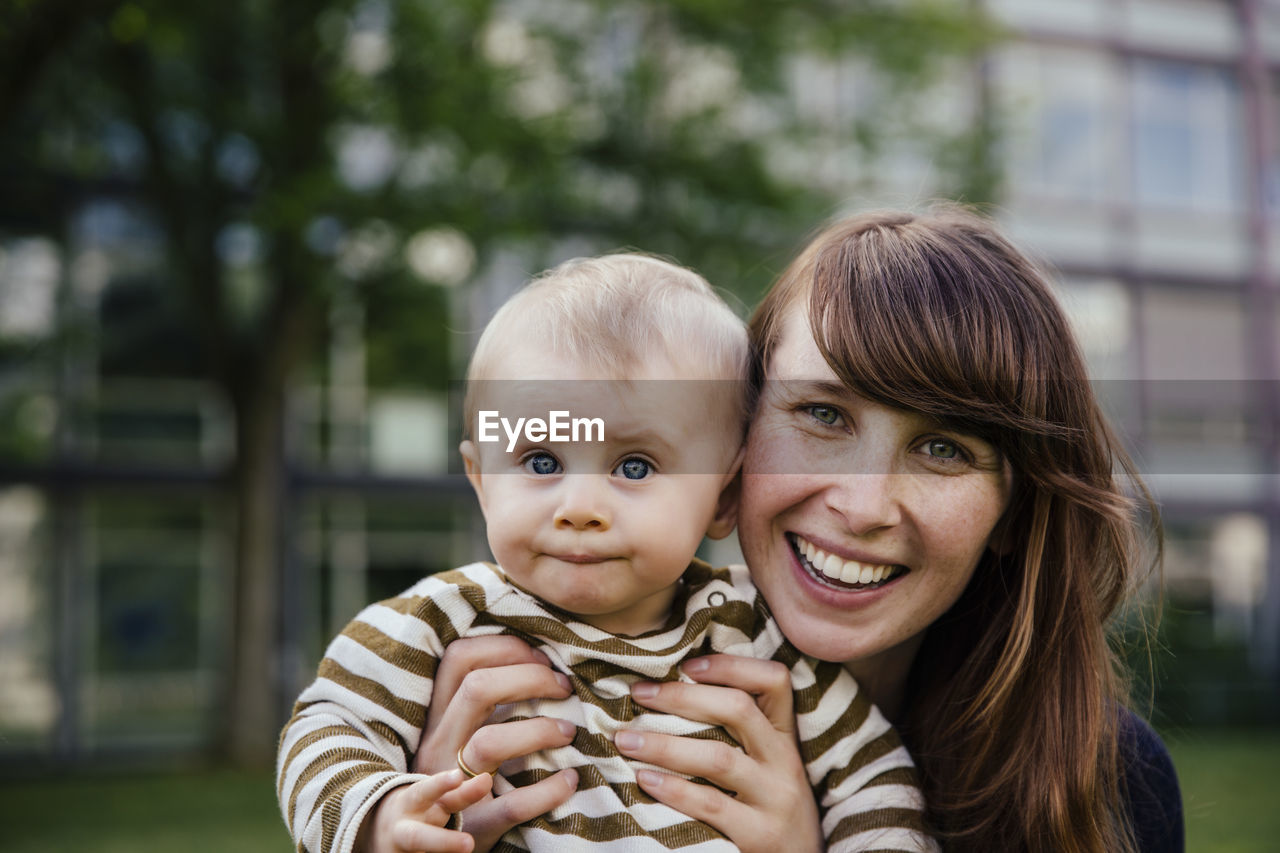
x,y
831,640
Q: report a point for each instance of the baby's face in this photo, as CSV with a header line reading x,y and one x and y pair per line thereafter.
x,y
602,528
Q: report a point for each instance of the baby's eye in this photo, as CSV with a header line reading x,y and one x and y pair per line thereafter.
x,y
940,448
542,464
634,469
825,414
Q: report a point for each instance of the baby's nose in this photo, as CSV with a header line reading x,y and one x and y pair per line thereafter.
x,y
583,507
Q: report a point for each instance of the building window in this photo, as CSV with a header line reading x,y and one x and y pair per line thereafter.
x,y
1188,137
1063,109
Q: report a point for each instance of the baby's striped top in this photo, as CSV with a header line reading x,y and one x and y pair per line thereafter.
x,y
355,729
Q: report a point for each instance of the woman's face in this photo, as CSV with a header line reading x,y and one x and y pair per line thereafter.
x,y
861,523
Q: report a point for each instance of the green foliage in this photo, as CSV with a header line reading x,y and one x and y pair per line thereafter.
x,y
251,169
409,354
647,124
25,425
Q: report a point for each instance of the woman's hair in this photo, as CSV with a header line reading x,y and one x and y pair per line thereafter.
x,y
1012,709
615,312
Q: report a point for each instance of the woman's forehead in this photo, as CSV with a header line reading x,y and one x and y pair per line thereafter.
x,y
796,354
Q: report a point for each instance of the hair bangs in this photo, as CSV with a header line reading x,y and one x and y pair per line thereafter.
x,y
927,320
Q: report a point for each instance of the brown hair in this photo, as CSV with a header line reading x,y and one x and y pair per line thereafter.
x,y
1013,699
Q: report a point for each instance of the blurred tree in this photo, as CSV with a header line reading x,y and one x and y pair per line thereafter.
x,y
298,153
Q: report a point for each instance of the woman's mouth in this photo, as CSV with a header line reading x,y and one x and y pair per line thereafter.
x,y
839,572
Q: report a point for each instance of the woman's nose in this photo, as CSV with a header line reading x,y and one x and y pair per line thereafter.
x,y
584,506
867,501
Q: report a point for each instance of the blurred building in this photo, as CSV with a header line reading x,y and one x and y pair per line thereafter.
x,y
1143,163
1140,150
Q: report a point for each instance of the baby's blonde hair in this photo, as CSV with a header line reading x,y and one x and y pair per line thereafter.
x,y
613,312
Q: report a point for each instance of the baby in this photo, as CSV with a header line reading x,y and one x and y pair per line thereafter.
x,y
605,414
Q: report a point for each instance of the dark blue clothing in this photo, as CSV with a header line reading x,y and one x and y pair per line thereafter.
x,y
1155,803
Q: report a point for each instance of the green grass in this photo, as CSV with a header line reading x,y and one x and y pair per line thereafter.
x,y
1229,785
195,812
1230,782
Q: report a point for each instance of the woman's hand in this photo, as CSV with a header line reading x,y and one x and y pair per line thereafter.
x,y
475,675
774,807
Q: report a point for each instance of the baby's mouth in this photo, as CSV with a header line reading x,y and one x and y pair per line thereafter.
x,y
583,559
839,572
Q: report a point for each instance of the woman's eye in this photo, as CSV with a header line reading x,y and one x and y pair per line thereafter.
x,y
542,463
824,414
940,448
635,469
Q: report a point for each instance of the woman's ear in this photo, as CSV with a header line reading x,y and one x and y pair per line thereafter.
x,y
726,517
471,464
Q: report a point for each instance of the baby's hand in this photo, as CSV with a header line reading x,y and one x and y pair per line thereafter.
x,y
411,818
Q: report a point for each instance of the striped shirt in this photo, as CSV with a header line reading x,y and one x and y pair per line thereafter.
x,y
355,729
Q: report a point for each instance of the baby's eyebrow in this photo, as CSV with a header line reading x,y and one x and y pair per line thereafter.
x,y
642,437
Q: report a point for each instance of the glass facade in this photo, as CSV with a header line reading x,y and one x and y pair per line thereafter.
x,y
1189,137
1143,162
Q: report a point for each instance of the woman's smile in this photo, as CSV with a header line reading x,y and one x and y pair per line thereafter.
x,y
841,572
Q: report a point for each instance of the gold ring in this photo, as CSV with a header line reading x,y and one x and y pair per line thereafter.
x,y
462,765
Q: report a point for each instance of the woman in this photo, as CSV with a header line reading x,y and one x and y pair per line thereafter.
x,y
924,412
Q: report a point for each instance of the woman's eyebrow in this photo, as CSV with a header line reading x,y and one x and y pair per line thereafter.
x,y
815,387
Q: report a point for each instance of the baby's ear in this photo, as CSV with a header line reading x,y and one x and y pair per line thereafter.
x,y
471,464
726,517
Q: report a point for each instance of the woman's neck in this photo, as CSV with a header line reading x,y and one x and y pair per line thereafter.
x,y
884,675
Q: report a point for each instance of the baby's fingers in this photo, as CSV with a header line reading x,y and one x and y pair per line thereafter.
x,y
488,820
410,836
467,794
423,794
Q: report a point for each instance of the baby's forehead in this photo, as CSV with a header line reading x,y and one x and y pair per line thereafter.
x,y
653,389
646,395
528,358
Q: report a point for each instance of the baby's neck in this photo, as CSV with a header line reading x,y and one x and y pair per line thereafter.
x,y
640,617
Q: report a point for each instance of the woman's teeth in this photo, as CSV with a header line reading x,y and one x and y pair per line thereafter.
x,y
839,569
